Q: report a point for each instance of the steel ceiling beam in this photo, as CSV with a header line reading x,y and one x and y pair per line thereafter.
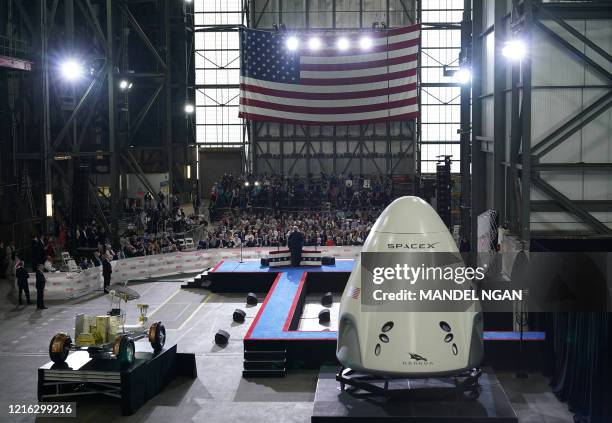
x,y
573,50
573,120
550,15
144,112
143,36
91,88
90,16
576,128
582,166
570,206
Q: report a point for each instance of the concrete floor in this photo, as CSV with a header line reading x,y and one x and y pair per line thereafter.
x,y
219,394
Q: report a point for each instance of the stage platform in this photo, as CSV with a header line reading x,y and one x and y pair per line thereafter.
x,y
278,338
422,403
131,387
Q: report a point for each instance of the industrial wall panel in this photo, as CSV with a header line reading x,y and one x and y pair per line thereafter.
x,y
487,117
488,49
488,13
490,189
567,183
550,109
600,32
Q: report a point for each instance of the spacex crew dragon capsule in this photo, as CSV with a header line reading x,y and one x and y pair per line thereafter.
x,y
407,343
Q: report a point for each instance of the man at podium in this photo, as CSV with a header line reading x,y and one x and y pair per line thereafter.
x,y
295,244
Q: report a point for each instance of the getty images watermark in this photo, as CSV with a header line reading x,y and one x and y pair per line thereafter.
x,y
440,282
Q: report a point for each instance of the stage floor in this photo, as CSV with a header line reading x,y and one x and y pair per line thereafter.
x,y
273,319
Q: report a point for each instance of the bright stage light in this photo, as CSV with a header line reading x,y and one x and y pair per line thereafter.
x,y
72,70
342,44
49,205
463,76
292,43
189,108
246,184
314,43
256,183
124,84
514,50
365,43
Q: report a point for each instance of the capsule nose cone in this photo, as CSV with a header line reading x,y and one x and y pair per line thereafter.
x,y
409,215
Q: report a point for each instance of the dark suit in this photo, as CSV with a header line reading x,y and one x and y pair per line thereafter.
x,y
107,270
22,283
295,244
38,253
40,289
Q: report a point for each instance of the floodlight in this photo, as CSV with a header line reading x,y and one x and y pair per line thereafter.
x,y
514,50
314,43
246,184
256,183
124,84
292,43
189,108
49,205
463,76
365,43
72,70
342,44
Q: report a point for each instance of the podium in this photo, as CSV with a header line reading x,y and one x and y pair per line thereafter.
x,y
283,258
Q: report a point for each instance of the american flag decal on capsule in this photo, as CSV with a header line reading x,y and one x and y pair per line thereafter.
x,y
355,292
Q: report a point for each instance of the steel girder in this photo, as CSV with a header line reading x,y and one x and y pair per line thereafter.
x,y
525,168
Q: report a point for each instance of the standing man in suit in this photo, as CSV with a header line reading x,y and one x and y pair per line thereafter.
x,y
295,244
38,252
41,281
107,271
22,282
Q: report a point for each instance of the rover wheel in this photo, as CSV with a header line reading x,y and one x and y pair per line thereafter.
x,y
124,349
59,347
157,336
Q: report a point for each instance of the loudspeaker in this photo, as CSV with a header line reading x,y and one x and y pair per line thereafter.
x,y
327,299
324,316
265,262
328,261
252,299
221,337
239,316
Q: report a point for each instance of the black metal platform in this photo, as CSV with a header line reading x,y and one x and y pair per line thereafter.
x,y
424,402
131,386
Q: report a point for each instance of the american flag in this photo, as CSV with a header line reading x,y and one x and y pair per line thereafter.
x,y
329,86
355,293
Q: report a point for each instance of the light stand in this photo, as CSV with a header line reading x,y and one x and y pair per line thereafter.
x,y
520,372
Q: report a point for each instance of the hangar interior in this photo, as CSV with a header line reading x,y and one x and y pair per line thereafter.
x,y
120,132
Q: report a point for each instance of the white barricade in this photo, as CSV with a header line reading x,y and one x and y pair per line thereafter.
x,y
66,285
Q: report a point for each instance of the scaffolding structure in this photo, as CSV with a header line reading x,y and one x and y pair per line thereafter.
x,y
537,155
124,115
